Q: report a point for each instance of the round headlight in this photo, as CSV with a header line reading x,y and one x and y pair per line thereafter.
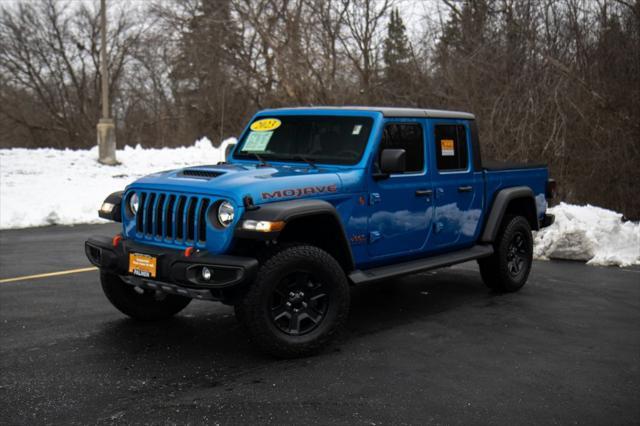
x,y
133,203
225,213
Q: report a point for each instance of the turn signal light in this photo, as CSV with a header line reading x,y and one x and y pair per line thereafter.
x,y
262,225
116,240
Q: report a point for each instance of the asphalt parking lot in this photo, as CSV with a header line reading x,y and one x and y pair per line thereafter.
x,y
432,348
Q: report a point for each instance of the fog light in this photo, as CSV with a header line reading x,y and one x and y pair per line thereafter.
x,y
206,273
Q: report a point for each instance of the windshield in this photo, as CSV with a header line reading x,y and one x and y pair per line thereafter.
x,y
311,139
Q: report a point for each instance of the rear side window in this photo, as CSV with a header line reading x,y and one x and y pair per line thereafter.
x,y
451,147
407,136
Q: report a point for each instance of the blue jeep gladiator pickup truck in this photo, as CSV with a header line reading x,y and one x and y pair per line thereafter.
x,y
310,202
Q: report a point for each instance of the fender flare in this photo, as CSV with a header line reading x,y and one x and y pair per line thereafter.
x,y
288,211
499,207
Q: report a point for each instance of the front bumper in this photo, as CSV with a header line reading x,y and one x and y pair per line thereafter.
x,y
173,267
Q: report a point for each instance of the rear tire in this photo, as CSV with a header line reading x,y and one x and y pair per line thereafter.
x,y
298,302
508,268
138,303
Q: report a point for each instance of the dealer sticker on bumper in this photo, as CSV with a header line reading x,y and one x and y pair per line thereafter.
x,y
142,265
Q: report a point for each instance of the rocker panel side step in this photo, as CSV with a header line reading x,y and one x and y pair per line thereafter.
x,y
448,259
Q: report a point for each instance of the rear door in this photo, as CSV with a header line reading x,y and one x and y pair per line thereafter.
x,y
401,205
458,189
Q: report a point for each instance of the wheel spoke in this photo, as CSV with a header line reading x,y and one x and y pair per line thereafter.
x,y
294,322
315,290
318,297
280,315
314,315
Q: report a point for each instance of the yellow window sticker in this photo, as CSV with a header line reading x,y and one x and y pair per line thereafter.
x,y
446,146
265,125
257,141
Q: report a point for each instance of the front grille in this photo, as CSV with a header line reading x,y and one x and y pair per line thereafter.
x,y
174,218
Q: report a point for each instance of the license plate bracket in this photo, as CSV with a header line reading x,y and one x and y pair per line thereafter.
x,y
143,265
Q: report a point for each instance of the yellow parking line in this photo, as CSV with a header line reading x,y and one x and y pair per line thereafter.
x,y
47,275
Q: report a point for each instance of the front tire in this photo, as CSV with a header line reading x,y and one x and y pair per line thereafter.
x,y
300,299
508,268
138,303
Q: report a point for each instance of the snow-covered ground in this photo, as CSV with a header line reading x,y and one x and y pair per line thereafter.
x,y
592,234
47,186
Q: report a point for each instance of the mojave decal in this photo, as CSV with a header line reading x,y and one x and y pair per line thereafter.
x,y
300,192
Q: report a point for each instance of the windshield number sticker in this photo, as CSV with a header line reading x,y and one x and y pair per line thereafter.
x,y
356,129
446,146
265,125
257,141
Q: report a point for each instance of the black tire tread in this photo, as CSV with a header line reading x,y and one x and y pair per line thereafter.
x,y
493,269
249,309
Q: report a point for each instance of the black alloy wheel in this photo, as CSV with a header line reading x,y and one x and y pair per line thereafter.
x,y
299,303
516,254
507,269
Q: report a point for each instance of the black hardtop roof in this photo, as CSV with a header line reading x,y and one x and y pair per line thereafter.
x,y
392,111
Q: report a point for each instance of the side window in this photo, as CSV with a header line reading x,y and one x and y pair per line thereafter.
x,y
451,147
408,137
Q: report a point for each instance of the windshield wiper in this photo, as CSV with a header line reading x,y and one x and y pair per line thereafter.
x,y
309,161
257,157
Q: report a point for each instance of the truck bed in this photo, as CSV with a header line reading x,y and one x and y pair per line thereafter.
x,y
496,165
500,175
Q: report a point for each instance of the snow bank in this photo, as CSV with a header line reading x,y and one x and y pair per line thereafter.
x,y
592,234
51,186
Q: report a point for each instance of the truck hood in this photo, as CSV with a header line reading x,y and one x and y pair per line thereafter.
x,y
262,183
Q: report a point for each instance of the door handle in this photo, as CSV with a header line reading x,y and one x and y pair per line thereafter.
x,y
424,193
465,188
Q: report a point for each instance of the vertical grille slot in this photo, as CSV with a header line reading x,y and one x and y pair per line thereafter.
x,y
159,212
168,214
148,213
139,216
178,218
202,220
191,215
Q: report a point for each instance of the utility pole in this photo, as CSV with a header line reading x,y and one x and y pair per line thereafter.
x,y
106,127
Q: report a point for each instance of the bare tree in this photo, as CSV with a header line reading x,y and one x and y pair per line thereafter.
x,y
50,54
363,40
552,80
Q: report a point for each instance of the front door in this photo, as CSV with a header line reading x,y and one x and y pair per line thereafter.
x,y
401,205
458,189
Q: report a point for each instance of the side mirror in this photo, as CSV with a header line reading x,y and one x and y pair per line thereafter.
x,y
393,161
228,150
